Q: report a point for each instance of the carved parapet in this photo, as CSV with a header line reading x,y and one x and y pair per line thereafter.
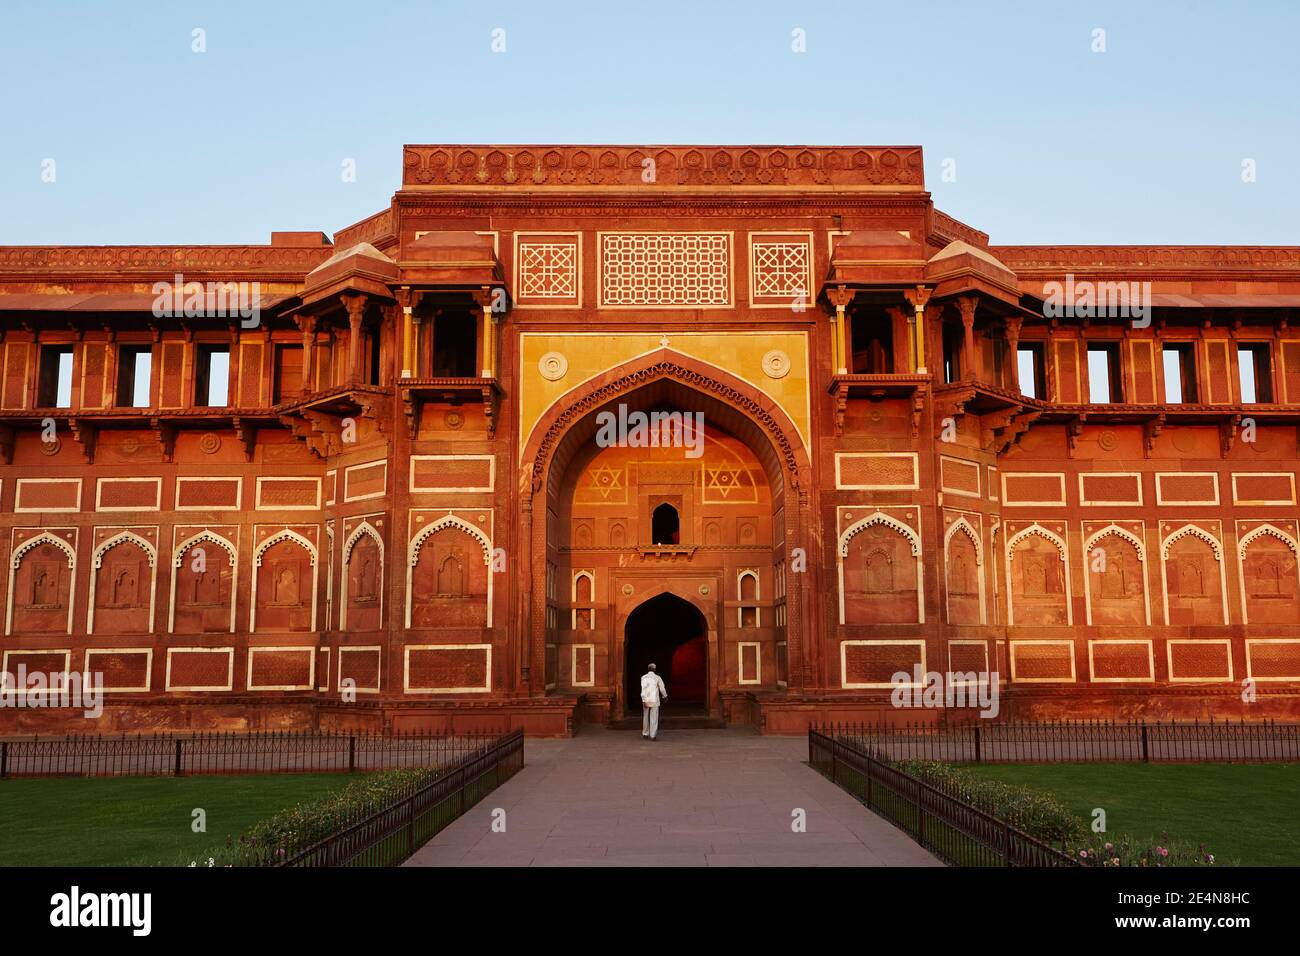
x,y
648,167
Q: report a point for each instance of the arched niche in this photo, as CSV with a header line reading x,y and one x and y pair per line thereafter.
x,y
204,576
449,580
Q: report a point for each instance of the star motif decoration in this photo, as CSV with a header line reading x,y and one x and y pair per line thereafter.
x,y
723,480
605,480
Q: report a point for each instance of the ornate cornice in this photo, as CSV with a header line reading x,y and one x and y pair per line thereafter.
x,y
885,208
648,167
164,260
1026,260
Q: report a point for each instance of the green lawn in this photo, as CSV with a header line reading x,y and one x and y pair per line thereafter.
x,y
139,821
1245,813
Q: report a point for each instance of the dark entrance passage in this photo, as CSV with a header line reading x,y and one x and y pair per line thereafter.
x,y
671,634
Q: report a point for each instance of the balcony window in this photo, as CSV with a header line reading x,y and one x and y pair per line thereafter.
x,y
1255,366
1031,371
1104,379
455,345
953,341
212,376
872,341
134,376
1180,374
54,385
665,525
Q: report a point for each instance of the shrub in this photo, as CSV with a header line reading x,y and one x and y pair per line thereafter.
x,y
1038,813
300,826
1042,815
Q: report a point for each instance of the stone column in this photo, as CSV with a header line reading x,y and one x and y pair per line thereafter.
x,y
307,325
969,359
919,298
840,298
356,306
1013,324
406,300
487,333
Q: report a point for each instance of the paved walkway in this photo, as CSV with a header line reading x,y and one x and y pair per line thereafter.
x,y
691,798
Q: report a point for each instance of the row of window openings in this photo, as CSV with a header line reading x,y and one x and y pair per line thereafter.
x,y
212,375
135,376
455,338
1105,378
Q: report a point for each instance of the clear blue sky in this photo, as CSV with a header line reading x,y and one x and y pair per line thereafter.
x,y
1053,143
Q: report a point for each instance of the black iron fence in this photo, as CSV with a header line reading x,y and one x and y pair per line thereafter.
x,y
389,834
156,755
952,829
1080,741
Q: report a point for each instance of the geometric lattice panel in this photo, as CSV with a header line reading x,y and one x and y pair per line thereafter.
x,y
548,271
780,270
665,269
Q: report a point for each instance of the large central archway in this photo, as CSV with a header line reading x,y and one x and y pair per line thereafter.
x,y
591,571
672,634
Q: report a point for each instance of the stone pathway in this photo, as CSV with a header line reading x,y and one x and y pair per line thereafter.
x,y
691,798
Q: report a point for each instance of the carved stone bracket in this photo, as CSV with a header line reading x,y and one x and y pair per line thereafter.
x,y
995,425
319,432
246,432
1228,434
1150,429
375,408
490,410
85,435
1073,429
166,435
411,406
841,395
1017,427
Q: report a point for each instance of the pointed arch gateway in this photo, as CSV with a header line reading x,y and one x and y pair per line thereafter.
x,y
665,377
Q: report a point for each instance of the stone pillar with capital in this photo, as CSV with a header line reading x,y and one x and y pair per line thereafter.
x,y
406,300
487,332
307,326
919,297
1013,324
355,303
840,298
969,357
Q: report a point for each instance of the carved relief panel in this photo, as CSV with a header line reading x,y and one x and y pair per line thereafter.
x,y
449,577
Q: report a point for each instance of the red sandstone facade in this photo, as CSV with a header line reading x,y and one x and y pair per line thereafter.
x,y
396,513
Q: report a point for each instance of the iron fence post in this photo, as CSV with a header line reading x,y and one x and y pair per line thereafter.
x,y
4,759
410,826
976,732
920,813
177,771
352,753
1146,753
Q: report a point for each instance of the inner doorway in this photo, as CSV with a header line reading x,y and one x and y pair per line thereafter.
x,y
671,634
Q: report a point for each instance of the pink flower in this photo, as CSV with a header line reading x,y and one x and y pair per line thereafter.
x,y
1083,854
1110,846
1162,851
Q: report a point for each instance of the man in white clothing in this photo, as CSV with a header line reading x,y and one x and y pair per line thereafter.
x,y
652,692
